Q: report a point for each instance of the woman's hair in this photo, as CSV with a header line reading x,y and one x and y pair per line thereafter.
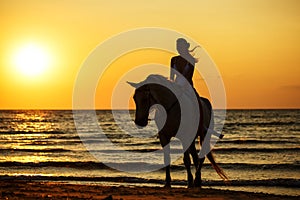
x,y
183,49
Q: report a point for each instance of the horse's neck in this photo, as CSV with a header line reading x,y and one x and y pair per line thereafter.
x,y
162,96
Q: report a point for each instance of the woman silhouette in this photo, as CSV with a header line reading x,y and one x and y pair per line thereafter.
x,y
184,63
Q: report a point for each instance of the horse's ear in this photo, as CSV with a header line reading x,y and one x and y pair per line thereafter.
x,y
135,85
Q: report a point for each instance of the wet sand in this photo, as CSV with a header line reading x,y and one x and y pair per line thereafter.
x,y
58,190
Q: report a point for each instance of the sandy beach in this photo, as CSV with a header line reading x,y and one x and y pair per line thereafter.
x,y
59,190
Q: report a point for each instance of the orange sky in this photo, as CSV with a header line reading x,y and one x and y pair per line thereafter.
x,y
254,43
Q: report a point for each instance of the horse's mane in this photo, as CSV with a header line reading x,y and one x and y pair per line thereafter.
x,y
157,78
164,81
161,80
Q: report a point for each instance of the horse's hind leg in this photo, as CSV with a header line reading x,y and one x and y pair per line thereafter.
x,y
187,163
194,154
198,181
196,162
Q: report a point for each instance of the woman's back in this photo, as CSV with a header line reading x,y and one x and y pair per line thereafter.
x,y
185,68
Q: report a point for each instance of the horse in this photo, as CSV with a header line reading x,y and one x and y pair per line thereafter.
x,y
148,93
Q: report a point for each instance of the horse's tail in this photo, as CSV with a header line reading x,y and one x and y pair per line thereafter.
x,y
203,133
218,169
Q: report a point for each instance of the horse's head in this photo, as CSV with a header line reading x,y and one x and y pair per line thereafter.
x,y
142,99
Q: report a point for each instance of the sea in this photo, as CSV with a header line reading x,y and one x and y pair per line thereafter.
x,y
260,151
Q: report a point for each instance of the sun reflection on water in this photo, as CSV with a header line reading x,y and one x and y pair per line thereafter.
x,y
33,135
33,121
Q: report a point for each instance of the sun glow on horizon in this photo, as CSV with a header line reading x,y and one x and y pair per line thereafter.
x,y
255,48
31,60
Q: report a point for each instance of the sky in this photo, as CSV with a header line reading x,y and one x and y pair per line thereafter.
x,y
254,43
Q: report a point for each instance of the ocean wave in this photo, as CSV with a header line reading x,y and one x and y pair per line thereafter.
x,y
219,150
249,166
289,183
100,165
258,141
157,150
60,137
253,123
256,150
46,150
31,132
32,120
51,143
82,165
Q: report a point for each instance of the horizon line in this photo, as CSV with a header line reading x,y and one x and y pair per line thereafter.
x,y
107,109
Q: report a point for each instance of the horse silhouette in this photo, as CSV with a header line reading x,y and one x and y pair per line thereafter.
x,y
147,94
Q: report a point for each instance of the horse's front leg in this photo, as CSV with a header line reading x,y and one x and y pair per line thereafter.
x,y
187,164
167,159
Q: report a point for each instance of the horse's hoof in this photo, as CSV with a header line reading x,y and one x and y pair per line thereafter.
x,y
190,181
167,186
197,183
190,185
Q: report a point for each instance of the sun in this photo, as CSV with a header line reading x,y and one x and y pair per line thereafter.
x,y
31,60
